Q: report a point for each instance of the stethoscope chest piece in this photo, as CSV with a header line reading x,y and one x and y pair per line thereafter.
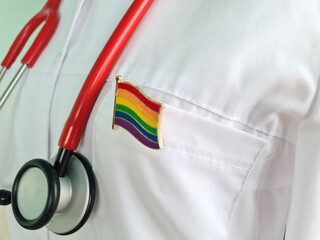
x,y
62,204
73,217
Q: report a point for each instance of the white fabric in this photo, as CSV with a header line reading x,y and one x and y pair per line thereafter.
x,y
241,125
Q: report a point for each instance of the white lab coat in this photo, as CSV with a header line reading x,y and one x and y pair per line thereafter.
x,y
240,129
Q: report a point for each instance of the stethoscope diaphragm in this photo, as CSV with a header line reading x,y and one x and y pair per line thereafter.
x,y
41,198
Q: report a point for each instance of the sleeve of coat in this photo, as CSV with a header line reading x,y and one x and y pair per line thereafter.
x,y
304,214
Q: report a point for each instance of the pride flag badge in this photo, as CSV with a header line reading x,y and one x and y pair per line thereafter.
x,y
137,113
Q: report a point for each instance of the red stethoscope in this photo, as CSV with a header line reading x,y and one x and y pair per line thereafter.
x,y
60,193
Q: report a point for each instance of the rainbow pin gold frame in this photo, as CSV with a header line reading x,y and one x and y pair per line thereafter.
x,y
139,114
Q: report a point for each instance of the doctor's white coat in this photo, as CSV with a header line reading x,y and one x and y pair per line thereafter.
x,y
240,128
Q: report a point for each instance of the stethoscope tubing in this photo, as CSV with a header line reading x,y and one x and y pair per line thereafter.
x,y
75,125
49,15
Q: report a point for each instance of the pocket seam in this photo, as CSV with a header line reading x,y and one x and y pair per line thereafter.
x,y
240,192
208,159
217,112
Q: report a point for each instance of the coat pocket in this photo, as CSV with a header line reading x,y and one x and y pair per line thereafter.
x,y
184,191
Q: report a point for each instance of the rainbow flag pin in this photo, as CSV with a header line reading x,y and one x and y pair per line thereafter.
x,y
137,113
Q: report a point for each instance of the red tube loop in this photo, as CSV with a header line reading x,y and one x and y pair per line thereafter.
x,y
51,18
81,110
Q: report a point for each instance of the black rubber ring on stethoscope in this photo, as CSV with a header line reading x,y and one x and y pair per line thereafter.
x,y
52,198
92,192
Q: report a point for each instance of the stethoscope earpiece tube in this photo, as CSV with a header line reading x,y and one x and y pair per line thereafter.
x,y
50,17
